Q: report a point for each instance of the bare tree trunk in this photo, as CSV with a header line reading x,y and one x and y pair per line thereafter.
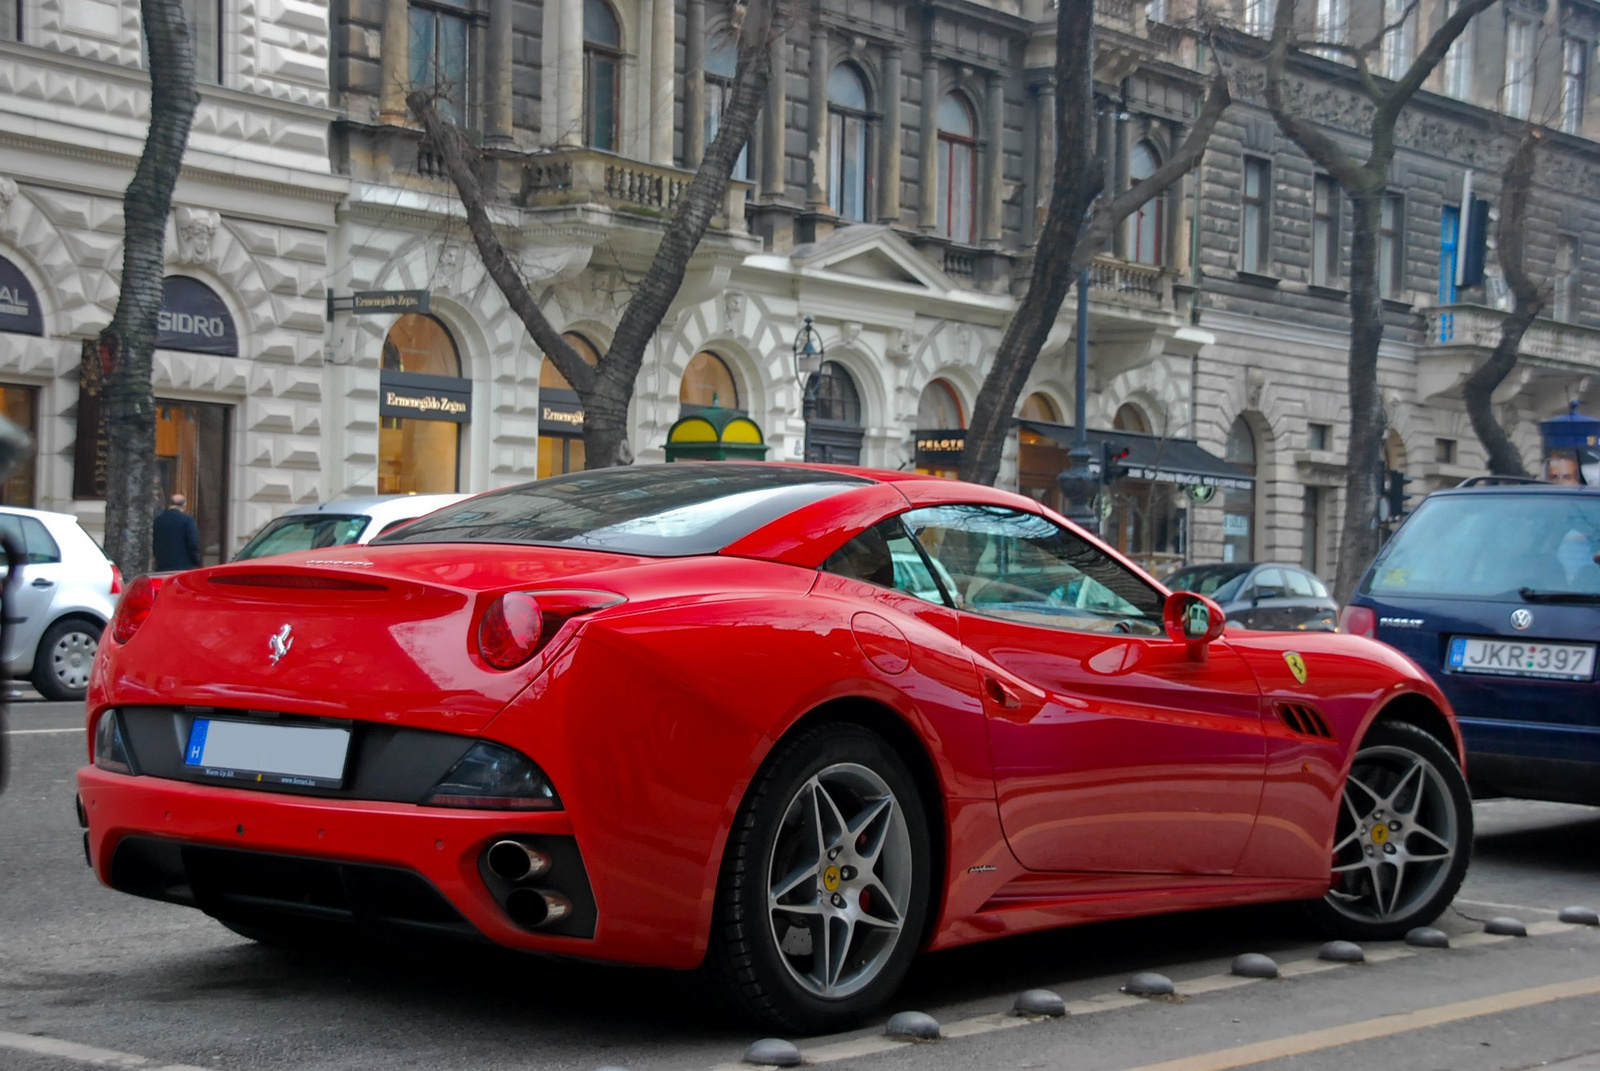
x,y
607,389
125,348
1067,242
1511,243
1364,182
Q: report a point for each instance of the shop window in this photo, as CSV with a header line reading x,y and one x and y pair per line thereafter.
x,y
849,144
708,381
561,414
958,151
419,454
192,460
939,410
1144,226
602,76
722,62
1239,507
21,406
205,22
440,57
834,432
1040,459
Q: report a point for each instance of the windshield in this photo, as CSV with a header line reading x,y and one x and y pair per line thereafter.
x,y
1493,546
308,531
1206,580
661,511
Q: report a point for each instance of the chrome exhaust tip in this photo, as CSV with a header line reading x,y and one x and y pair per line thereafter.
x,y
533,908
516,861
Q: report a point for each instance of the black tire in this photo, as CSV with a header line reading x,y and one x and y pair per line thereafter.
x,y
64,657
760,973
1422,836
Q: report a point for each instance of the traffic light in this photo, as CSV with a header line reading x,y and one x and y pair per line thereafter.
x,y
1112,468
1395,494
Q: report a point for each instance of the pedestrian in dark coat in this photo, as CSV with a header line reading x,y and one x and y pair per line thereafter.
x,y
176,538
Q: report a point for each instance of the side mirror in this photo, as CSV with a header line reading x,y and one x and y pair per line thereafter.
x,y
1192,619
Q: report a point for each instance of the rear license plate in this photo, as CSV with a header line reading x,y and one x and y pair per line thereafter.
x,y
1521,658
250,752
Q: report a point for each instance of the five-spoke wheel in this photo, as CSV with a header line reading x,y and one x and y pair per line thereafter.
x,y
1403,836
825,886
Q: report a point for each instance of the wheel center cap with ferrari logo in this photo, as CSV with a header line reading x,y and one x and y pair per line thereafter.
x,y
1297,665
1380,834
830,879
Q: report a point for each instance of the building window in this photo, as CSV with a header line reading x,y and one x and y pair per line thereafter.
x,y
1311,528
722,62
192,460
1258,17
561,414
1458,60
1519,68
1574,82
417,455
1256,236
1144,226
1444,451
11,20
708,381
1324,231
602,76
958,151
1239,507
205,22
21,406
834,432
1333,24
1155,10
1564,300
1391,244
439,62
938,410
849,144
1319,436
1449,244
1400,43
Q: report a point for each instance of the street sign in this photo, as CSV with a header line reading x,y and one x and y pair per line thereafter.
x,y
379,302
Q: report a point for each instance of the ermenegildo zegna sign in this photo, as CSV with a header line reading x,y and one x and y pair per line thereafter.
x,y
194,319
422,397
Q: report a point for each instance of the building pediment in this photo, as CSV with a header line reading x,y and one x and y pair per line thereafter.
x,y
875,252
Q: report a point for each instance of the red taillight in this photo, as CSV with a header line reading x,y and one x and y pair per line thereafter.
x,y
134,607
519,623
1359,621
116,580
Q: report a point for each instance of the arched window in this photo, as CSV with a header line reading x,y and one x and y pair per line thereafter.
x,y
1040,407
419,454
939,408
1131,418
938,447
722,61
958,156
1144,226
709,381
561,414
834,433
602,75
1239,507
849,144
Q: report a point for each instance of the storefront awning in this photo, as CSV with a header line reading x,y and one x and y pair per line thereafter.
x,y
1151,457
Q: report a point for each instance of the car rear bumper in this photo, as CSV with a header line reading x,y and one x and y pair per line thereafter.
x,y
254,856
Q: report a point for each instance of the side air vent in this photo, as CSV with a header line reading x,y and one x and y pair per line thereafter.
x,y
1304,720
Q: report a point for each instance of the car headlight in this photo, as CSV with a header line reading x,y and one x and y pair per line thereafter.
x,y
494,777
110,751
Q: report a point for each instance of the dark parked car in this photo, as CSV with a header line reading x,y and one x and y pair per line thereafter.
x,y
1494,589
1263,595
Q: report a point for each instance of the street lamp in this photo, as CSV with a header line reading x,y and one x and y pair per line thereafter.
x,y
808,355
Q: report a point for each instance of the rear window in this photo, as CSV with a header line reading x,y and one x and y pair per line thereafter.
x,y
1493,546
658,511
308,531
1204,581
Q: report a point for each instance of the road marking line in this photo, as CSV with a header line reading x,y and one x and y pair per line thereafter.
x,y
41,732
1509,907
1387,1026
85,1054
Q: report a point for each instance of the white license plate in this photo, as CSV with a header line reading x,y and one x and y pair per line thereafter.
x,y
1522,658
253,752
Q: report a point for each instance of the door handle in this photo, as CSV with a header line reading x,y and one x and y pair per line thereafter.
x,y
41,582
1000,695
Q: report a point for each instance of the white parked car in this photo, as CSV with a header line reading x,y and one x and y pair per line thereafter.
x,y
59,604
339,522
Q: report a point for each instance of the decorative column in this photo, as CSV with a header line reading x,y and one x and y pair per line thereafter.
x,y
498,120
694,85
569,87
889,140
662,95
1044,182
927,212
776,128
396,66
994,159
817,132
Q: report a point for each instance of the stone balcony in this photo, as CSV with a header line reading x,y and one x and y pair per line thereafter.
x,y
1120,282
579,177
1457,339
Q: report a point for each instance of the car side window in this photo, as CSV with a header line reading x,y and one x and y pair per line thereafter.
x,y
1019,566
41,546
11,525
1269,584
1299,583
887,556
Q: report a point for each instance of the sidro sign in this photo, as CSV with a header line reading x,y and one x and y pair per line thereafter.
x,y
423,397
19,305
193,319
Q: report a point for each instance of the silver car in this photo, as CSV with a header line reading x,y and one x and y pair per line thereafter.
x,y
339,522
60,602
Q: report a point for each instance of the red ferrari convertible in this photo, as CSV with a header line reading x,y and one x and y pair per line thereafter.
x,y
789,724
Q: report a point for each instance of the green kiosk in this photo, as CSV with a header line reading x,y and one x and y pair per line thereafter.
x,y
715,434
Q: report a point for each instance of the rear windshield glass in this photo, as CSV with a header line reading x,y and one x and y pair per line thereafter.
x,y
303,532
659,511
1493,546
1205,581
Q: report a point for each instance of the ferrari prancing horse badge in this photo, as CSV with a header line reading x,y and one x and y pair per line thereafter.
x,y
1297,665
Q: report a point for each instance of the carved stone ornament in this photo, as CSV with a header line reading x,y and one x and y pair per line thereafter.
x,y
449,257
849,331
8,193
196,228
901,346
732,307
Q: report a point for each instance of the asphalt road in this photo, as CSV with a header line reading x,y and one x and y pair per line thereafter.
x,y
89,977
